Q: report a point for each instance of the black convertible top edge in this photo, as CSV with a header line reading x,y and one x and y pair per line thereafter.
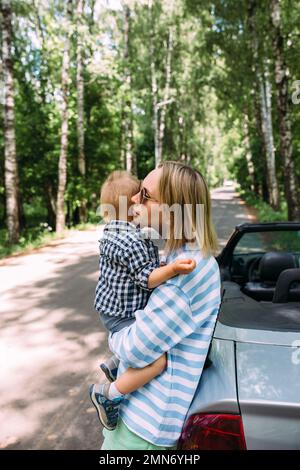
x,y
247,226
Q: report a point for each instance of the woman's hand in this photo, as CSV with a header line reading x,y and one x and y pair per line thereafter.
x,y
184,266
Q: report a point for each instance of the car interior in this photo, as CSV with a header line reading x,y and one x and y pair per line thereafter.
x,y
267,277
261,282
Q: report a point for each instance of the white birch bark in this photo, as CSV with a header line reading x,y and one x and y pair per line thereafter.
x,y
62,165
128,156
264,86
80,104
291,184
10,154
166,98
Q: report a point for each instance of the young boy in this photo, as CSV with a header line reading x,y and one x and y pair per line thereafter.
x,y
129,270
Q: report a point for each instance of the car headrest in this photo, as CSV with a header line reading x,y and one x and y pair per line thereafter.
x,y
286,278
273,263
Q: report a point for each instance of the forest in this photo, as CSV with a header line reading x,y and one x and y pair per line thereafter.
x,y
89,86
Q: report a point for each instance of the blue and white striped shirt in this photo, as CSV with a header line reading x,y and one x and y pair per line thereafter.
x,y
178,319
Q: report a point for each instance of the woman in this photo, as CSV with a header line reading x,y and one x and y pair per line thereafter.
x,y
178,319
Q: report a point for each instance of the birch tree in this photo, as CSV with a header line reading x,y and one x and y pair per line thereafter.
x,y
285,132
161,95
127,146
80,103
166,98
62,165
11,165
264,89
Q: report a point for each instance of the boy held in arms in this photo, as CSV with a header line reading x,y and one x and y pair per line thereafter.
x,y
129,270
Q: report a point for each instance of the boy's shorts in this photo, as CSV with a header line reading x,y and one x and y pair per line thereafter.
x,y
114,324
121,438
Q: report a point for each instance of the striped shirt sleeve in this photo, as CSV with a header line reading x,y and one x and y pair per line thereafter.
x,y
163,323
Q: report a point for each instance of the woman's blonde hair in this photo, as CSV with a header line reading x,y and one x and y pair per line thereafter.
x,y
118,183
182,185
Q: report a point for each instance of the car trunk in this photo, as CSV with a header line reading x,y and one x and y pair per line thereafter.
x,y
268,382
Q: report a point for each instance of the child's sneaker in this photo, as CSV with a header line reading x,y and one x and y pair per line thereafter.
x,y
108,410
111,374
110,368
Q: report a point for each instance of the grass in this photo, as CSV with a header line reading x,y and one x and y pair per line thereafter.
x,y
29,239
38,233
265,212
85,226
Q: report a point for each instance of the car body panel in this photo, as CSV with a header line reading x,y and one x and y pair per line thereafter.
x,y
256,336
217,388
252,371
268,381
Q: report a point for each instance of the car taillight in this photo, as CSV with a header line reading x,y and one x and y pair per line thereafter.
x,y
213,432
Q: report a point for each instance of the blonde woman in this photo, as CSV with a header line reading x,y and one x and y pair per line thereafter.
x,y
179,317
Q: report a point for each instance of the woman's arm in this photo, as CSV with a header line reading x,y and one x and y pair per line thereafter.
x,y
163,323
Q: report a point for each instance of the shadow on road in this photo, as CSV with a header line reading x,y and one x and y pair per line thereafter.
x,y
53,342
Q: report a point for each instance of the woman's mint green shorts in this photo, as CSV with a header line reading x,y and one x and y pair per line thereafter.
x,y
121,438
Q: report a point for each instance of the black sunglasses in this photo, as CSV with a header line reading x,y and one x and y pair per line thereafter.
x,y
144,196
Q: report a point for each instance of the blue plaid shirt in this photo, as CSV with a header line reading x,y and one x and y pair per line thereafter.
x,y
127,259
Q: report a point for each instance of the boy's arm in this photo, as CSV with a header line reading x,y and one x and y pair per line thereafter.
x,y
164,273
143,270
140,263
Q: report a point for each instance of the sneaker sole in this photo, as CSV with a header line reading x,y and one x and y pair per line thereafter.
x,y
106,371
100,411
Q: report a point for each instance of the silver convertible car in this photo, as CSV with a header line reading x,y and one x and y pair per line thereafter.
x,y
248,396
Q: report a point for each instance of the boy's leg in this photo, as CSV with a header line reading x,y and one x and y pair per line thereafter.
x,y
105,397
110,368
113,324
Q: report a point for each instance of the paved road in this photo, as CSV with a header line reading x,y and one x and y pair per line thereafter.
x,y
228,211
52,342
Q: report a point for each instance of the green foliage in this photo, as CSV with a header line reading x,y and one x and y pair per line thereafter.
x,y
265,213
30,238
212,92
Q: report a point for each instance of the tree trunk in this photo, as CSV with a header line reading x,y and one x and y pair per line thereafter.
x,y
154,90
127,121
247,146
264,88
166,98
261,187
80,107
50,204
267,130
11,166
62,165
285,133
159,118
44,77
44,71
